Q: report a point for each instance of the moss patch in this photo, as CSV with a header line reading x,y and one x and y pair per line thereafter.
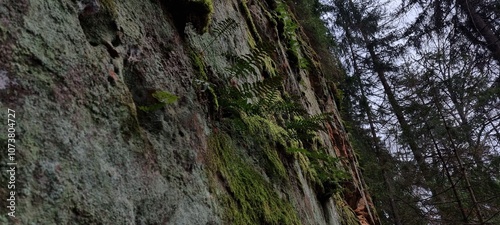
x,y
203,81
346,213
249,20
110,6
198,64
249,198
268,135
289,31
317,34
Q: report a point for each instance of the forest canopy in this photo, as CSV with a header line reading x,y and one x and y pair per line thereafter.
x,y
421,100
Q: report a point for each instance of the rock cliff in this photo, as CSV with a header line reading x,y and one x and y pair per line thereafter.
x,y
171,112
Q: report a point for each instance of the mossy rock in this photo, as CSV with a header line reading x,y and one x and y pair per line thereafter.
x,y
100,26
249,199
250,22
196,12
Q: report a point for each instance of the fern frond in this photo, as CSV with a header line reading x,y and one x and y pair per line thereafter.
x,y
240,105
312,123
248,64
260,89
224,28
264,97
315,155
270,98
287,107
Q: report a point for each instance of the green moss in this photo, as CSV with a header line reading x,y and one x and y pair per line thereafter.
x,y
250,199
268,14
302,83
265,128
290,28
323,170
199,66
268,134
345,211
270,66
110,7
249,20
251,40
317,34
305,165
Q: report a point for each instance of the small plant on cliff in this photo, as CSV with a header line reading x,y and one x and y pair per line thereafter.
x,y
206,81
221,29
164,98
327,171
290,28
304,128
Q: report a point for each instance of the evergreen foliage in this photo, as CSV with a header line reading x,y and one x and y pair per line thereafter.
x,y
422,104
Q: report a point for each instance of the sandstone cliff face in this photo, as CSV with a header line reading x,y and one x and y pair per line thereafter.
x,y
93,148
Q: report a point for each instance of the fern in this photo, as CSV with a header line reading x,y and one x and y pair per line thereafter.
x,y
248,64
260,97
264,88
315,155
224,28
255,95
221,29
312,123
290,33
328,173
287,106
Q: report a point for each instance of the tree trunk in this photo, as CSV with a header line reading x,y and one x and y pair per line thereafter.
x,y
482,27
378,150
461,167
396,108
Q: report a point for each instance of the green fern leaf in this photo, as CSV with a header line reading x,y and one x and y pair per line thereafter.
x,y
312,123
224,27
